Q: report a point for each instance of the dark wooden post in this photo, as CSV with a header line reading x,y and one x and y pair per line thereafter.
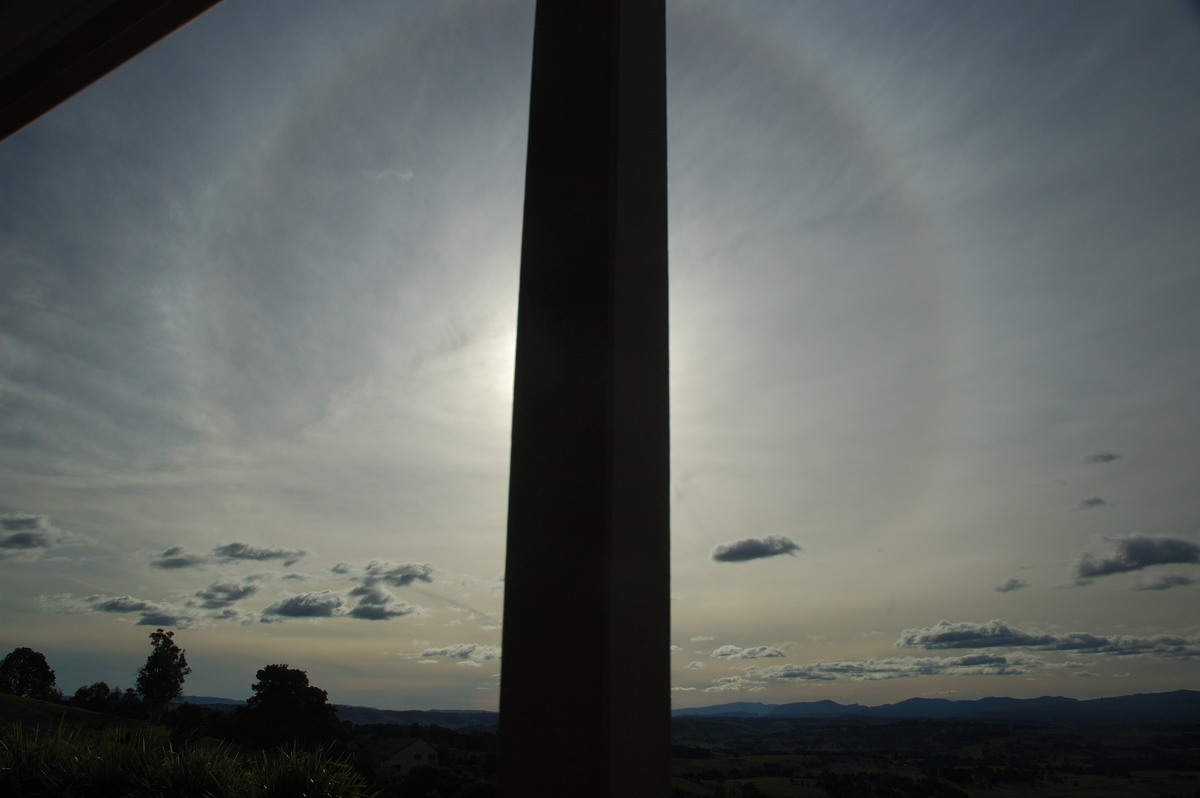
x,y
584,697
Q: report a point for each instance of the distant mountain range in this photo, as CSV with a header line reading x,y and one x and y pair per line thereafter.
x,y
1179,706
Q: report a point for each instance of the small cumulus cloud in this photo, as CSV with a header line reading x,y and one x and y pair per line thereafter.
x,y
1091,502
754,652
902,667
463,651
756,678
179,557
182,557
1163,582
999,634
1133,553
25,535
754,549
150,613
244,551
315,604
1100,456
967,634
389,573
377,604
695,666
735,684
398,574
1009,585
220,595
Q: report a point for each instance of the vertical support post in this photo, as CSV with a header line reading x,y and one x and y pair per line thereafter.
x,y
584,700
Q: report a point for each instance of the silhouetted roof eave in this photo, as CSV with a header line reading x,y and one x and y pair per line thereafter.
x,y
51,49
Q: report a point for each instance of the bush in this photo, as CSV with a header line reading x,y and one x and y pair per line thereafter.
x,y
74,765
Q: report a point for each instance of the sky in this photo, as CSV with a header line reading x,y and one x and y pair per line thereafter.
x,y
935,418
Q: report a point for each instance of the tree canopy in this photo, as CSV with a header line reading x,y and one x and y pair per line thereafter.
x,y
161,678
25,672
285,707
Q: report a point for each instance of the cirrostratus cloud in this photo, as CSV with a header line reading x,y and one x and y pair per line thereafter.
x,y
754,549
1133,553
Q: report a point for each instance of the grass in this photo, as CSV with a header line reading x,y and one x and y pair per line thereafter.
x,y
69,762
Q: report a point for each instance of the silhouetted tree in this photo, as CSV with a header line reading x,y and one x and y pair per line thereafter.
x,y
97,696
25,672
285,708
128,703
161,678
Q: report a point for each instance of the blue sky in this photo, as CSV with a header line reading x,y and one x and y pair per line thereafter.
x,y
934,396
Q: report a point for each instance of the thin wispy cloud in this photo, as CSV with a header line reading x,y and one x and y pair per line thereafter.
x,y
402,175
754,549
1100,456
1163,582
1009,585
1091,502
